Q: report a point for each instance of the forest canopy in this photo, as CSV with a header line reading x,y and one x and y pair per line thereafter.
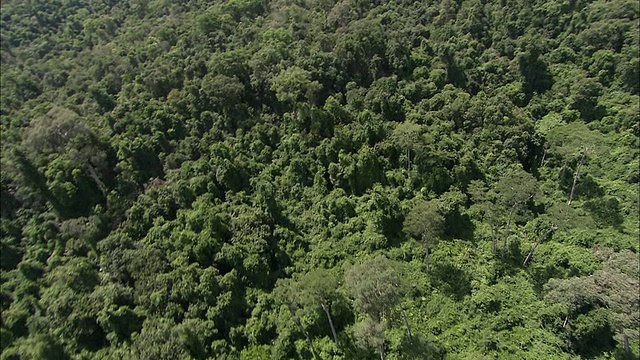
x,y
319,179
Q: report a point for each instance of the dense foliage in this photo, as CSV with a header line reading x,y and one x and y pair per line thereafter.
x,y
253,179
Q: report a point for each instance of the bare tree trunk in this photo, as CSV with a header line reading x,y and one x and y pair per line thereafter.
x,y
526,261
382,354
428,258
408,167
506,233
576,177
566,320
406,322
494,238
333,329
96,179
627,348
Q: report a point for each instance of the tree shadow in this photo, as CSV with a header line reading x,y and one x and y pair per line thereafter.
x,y
419,347
537,78
588,188
592,335
605,212
458,226
451,280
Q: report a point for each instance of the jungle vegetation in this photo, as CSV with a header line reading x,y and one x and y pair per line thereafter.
x,y
319,179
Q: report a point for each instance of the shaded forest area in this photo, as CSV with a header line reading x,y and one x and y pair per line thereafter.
x,y
319,179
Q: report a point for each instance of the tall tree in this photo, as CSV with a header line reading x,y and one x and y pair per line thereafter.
x,y
486,208
407,136
547,229
287,293
425,222
319,287
63,147
514,189
573,144
375,286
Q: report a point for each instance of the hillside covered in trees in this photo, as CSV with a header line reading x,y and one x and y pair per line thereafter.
x,y
319,179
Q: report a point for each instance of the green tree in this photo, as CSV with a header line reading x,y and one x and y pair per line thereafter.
x,y
541,226
287,293
71,157
376,288
36,347
486,208
425,222
312,292
160,338
514,189
294,84
319,286
573,143
222,93
407,136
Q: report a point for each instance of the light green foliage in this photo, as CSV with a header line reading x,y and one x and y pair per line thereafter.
x,y
424,222
38,347
311,298
369,333
515,187
594,311
376,288
407,136
294,84
161,338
